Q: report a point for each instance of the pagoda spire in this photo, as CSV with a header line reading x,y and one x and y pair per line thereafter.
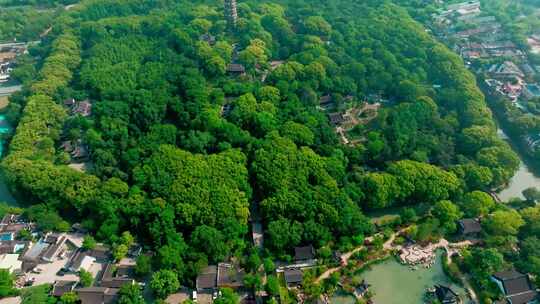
x,y
231,13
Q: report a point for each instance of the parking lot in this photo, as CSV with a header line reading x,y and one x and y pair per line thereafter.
x,y
48,272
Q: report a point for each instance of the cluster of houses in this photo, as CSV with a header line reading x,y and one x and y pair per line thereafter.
x,y
77,149
57,259
8,53
344,120
214,277
475,35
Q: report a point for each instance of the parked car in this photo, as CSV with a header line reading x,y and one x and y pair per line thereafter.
x,y
62,272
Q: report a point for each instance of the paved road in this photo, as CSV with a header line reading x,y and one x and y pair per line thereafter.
x,y
12,300
5,91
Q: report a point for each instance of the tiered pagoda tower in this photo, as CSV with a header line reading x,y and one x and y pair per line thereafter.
x,y
231,13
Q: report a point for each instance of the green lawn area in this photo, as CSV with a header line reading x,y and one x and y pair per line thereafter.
x,y
37,295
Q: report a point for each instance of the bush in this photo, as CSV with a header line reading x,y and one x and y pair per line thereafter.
x,y
7,281
85,278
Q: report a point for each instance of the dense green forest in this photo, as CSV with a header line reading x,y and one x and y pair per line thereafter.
x,y
24,23
183,176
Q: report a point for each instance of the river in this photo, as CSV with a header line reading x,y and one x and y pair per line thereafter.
x,y
523,179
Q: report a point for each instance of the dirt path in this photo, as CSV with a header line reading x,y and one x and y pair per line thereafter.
x,y
346,256
462,277
387,246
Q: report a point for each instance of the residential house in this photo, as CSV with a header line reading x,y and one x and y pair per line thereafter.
x,y
97,295
446,295
534,43
230,276
531,91
117,276
55,248
13,246
304,254
61,287
80,260
505,70
528,70
134,251
326,101
179,297
275,64
293,277
70,102
469,226
511,90
362,289
207,280
210,39
11,262
83,108
10,225
532,141
336,118
236,69
516,287
101,253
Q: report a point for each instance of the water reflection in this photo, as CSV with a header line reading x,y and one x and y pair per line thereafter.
x,y
523,179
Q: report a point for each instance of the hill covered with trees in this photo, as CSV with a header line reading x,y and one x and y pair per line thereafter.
x,y
184,150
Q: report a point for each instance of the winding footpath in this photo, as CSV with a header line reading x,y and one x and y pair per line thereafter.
x,y
346,256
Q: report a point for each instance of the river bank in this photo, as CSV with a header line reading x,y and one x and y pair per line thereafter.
x,y
528,174
6,128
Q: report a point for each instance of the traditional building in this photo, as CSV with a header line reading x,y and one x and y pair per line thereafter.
x,y
293,277
469,226
446,295
231,13
303,254
516,287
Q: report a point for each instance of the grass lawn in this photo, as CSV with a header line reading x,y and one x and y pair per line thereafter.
x,y
37,294
4,101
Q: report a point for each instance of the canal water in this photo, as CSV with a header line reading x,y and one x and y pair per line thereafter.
x,y
524,178
394,283
5,195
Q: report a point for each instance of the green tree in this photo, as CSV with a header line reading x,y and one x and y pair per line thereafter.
x,y
477,203
89,242
503,222
7,283
269,265
85,278
272,285
531,194
143,266
130,294
164,283
120,251
448,214
210,241
69,298
228,296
